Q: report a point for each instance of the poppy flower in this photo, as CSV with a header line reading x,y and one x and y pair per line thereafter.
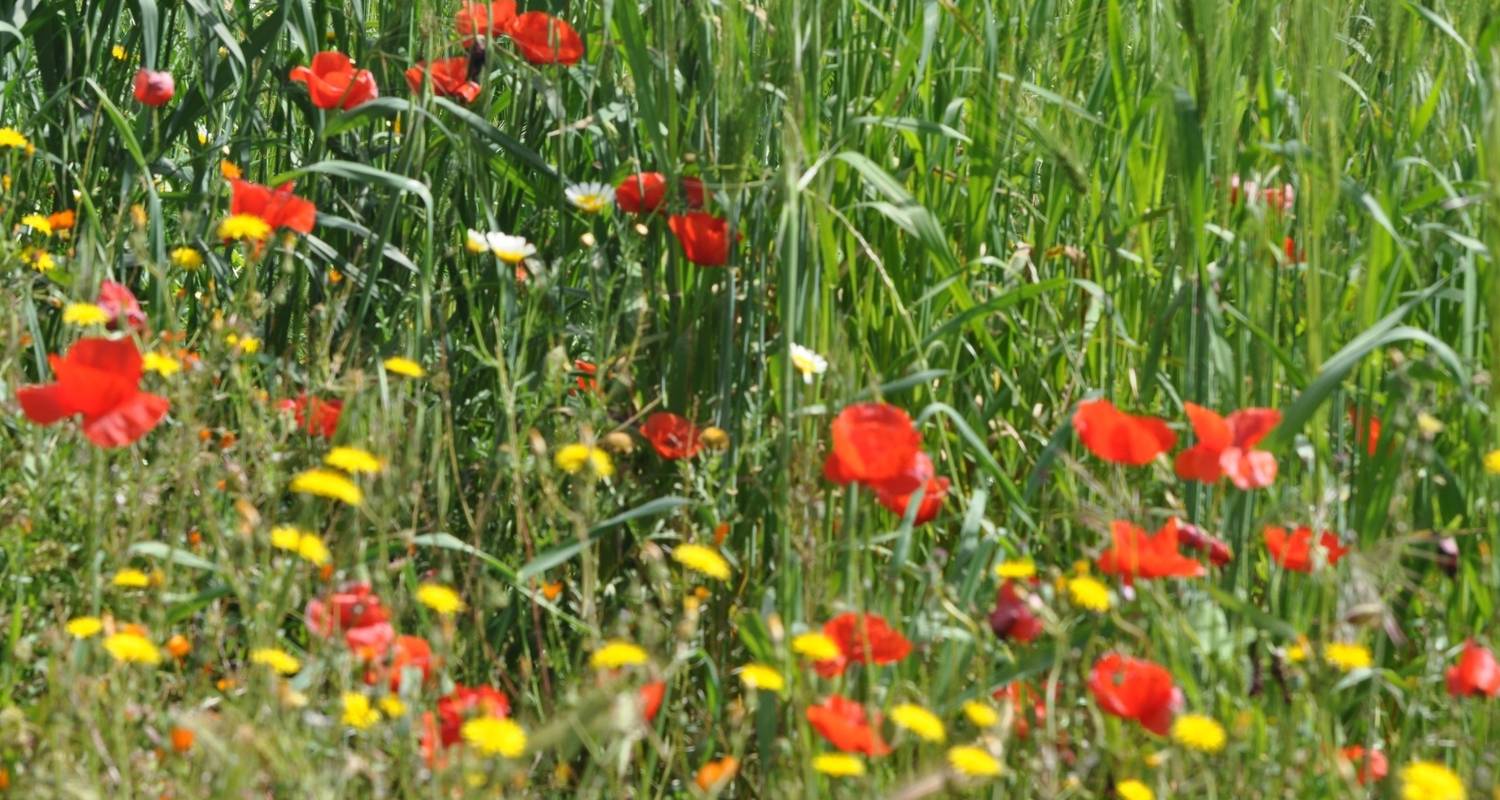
x,y
120,303
370,642
1012,617
1121,438
896,500
703,236
1372,765
587,370
845,725
354,605
1294,550
450,78
333,82
1028,705
641,193
866,638
407,652
315,415
671,436
692,192
99,379
63,220
1195,538
545,39
652,695
153,88
874,443
1475,673
1134,554
1136,689
278,207
485,19
1366,430
1227,446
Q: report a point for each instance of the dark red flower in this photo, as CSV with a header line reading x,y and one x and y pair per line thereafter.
x,y
1294,551
1228,446
450,78
99,379
315,415
278,207
864,638
1121,438
1372,767
1475,673
874,444
672,436
406,653
652,695
1134,688
485,19
1012,617
154,88
545,39
1134,554
703,236
1195,538
896,500
120,303
845,725
333,82
354,605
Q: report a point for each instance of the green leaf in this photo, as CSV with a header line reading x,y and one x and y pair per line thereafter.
x,y
165,552
564,553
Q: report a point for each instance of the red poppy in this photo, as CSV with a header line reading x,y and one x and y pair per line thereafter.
x,y
641,193
278,207
100,379
586,372
1195,538
651,696
485,19
1372,767
703,236
1294,254
845,725
1228,446
1134,688
1475,673
1366,430
1023,699
120,303
874,443
692,192
545,39
333,82
456,708
1294,551
1012,617
450,78
1121,438
672,436
865,638
1134,554
315,415
896,500
407,653
354,605
154,88
370,642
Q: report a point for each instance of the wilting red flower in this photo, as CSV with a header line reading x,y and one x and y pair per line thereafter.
x,y
1023,699
120,303
874,443
1366,430
100,379
406,652
278,207
450,78
896,500
333,82
672,436
1195,538
1372,766
845,725
1012,617
485,19
865,638
1294,551
1228,446
586,372
354,605
1134,554
1134,688
370,642
154,88
651,696
1475,673
1121,438
545,39
315,415
703,236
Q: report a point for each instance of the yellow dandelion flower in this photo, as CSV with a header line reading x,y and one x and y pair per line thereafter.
x,y
574,457
132,648
358,713
1198,732
976,762
248,344
1088,593
131,579
286,537
117,52
278,660
1019,569
392,706
838,765
920,721
10,137
187,258
439,598
616,654
163,365
1296,652
83,314
1347,656
816,646
329,484
983,715
1429,780
404,367
762,677
244,227
312,549
1133,790
702,559
84,627
1492,462
38,223
495,736
38,259
353,460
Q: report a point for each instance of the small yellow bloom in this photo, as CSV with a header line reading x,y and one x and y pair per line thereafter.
x,y
981,714
38,223
976,762
1198,732
702,559
10,137
838,765
1088,593
132,648
1347,656
117,52
1019,569
1492,462
228,170
920,721
439,598
816,646
242,227
84,627
357,711
329,484
1133,790
762,677
187,258
405,367
392,706
131,579
495,736
278,660
353,460
304,543
247,344
84,314
1429,780
38,259
574,457
163,365
1296,652
616,654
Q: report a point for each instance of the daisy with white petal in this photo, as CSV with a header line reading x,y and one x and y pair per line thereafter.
x,y
510,249
475,242
590,198
808,362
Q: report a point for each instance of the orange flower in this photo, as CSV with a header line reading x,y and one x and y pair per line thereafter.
x,y
874,443
1121,438
278,207
1373,765
1134,554
545,39
182,740
1228,446
62,220
333,82
703,236
845,725
178,647
1294,551
863,638
1366,430
717,773
450,78
652,695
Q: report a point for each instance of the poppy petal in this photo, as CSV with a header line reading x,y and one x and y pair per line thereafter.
x,y
127,421
45,405
1249,426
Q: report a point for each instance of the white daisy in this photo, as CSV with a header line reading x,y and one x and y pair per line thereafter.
x,y
808,363
510,249
475,242
590,198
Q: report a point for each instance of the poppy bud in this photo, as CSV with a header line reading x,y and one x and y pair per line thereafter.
x,y
1012,617
178,646
714,438
154,88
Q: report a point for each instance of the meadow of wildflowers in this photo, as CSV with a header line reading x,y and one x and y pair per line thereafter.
x,y
1058,399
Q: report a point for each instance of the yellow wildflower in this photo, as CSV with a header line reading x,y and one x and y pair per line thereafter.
x,y
84,627
1429,780
131,579
38,259
976,762
574,457
392,706
132,648
1198,732
242,227
38,223
981,714
495,736
1133,790
616,654
816,646
117,52
702,559
920,721
187,258
1088,593
278,660
762,677
329,484
404,367
1492,462
163,365
357,711
439,598
10,137
1347,656
838,765
353,459
1019,569
84,314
